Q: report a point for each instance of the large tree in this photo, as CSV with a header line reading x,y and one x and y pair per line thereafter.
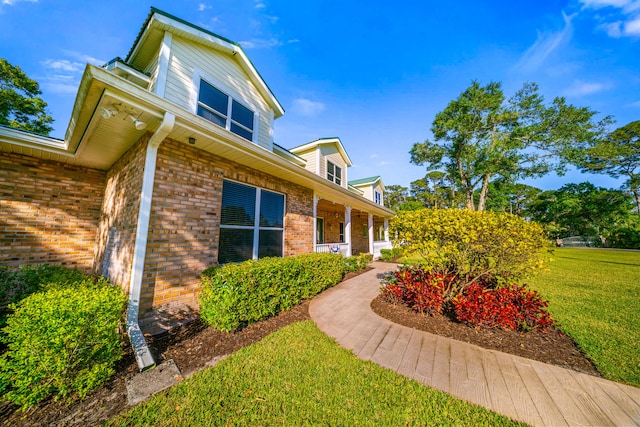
x,y
618,155
20,104
482,135
395,195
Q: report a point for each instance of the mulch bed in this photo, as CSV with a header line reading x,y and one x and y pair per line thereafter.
x,y
194,346
551,346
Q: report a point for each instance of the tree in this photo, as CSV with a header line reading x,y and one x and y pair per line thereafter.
x,y
395,195
618,155
482,135
510,197
581,210
20,104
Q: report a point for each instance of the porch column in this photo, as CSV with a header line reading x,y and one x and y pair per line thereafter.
x,y
315,221
371,234
347,229
386,229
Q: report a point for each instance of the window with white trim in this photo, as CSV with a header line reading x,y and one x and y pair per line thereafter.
x,y
334,173
221,109
251,224
378,197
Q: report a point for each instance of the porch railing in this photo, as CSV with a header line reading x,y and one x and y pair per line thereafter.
x,y
336,248
380,244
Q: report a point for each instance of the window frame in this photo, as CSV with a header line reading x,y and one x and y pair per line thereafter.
x,y
195,103
320,230
377,197
336,175
256,227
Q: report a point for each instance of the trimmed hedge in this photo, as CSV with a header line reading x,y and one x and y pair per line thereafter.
x,y
61,342
235,295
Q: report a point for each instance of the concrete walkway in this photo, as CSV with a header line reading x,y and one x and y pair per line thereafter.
x,y
533,392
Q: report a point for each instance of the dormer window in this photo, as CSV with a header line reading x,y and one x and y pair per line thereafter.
x,y
219,108
334,173
378,198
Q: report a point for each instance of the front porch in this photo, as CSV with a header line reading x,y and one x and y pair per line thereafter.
x,y
348,231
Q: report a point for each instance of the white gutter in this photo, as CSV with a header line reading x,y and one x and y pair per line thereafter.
x,y
140,348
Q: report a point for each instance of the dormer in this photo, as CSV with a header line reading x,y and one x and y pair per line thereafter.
x,y
370,188
203,73
326,157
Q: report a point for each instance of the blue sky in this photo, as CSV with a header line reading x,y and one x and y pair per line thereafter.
x,y
373,74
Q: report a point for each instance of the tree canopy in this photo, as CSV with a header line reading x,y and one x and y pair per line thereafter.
x,y
20,104
618,155
481,135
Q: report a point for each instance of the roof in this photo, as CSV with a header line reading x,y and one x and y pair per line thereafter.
x,y
158,22
324,141
365,181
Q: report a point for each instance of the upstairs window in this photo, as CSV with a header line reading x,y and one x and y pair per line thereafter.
x,y
219,108
334,173
378,198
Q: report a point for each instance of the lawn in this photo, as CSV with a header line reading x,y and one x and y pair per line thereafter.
x,y
595,296
299,376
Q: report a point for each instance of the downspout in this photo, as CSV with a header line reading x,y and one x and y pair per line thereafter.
x,y
140,348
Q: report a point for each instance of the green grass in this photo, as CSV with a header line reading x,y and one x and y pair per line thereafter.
x,y
298,376
595,296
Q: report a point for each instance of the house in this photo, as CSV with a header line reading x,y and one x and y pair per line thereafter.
x,y
168,166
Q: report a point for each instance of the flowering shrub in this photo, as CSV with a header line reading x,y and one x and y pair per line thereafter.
x,y
471,246
511,307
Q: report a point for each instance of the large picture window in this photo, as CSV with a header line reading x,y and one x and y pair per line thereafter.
x,y
219,108
334,173
251,224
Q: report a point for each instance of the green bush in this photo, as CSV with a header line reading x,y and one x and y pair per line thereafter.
x,y
18,283
61,342
471,246
390,254
357,262
235,295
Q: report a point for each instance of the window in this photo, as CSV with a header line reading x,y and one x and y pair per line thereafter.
x,y
334,173
219,108
319,231
251,224
378,197
341,236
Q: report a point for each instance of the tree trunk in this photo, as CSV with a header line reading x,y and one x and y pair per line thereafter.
x,y
483,192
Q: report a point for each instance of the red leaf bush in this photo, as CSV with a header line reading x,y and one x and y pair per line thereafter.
x,y
513,307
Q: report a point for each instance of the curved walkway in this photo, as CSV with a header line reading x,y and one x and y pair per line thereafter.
x,y
533,392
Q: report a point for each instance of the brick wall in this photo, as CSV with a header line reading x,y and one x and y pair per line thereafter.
x,y
49,212
119,216
360,241
185,220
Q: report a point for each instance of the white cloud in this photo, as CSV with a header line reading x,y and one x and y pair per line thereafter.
x,y
545,45
12,2
63,65
306,107
635,104
261,43
260,5
580,88
621,17
84,58
202,7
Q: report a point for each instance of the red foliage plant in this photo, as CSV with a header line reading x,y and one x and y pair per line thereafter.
x,y
420,290
512,307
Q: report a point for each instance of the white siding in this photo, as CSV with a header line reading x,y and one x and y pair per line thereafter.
x,y
152,71
311,157
331,153
189,58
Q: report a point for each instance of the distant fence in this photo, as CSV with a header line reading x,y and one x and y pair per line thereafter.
x,y
581,242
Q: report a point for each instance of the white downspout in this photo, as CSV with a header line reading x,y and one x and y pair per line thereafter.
x,y
140,348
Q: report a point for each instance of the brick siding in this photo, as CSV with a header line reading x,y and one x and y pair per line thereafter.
x,y
49,212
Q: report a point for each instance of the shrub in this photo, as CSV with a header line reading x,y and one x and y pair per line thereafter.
x,y
421,290
357,262
235,295
511,307
390,254
471,246
17,284
61,342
